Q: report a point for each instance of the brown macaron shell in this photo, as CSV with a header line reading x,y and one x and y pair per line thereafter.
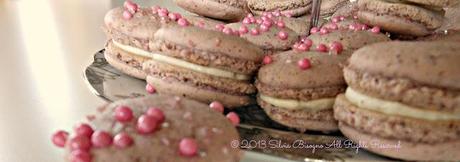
x,y
329,7
350,40
268,40
419,74
408,150
299,25
395,126
399,18
202,22
293,7
347,10
209,48
435,3
217,9
126,62
137,31
184,118
301,120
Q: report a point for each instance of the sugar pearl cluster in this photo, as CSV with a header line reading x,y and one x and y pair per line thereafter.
x,y
166,15
354,27
130,9
86,138
263,24
232,116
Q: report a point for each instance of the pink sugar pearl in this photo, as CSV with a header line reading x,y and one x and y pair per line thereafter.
x,y
83,130
280,24
321,48
264,28
342,18
255,31
172,16
122,140
243,29
304,64
314,30
217,106
123,114
188,147
268,23
80,142
246,20
303,47
277,13
234,118
132,7
59,138
267,60
336,47
150,89
375,29
146,124
307,41
101,139
249,15
126,3
296,45
323,31
283,35
80,156
156,113
227,30
259,21
127,15
183,22
220,27
332,26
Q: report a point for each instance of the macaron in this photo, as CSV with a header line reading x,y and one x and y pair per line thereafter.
x,y
133,28
399,18
217,9
287,7
329,7
298,89
403,100
348,39
205,65
269,38
153,128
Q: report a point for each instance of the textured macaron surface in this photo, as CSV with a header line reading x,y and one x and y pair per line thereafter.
x,y
183,118
209,48
268,39
267,5
429,19
420,74
351,40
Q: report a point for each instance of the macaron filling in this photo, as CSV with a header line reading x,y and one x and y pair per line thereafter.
x,y
394,108
314,105
183,64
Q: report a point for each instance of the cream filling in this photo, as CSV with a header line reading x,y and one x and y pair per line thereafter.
x,y
182,63
313,105
395,108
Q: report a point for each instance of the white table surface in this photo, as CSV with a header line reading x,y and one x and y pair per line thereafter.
x,y
46,45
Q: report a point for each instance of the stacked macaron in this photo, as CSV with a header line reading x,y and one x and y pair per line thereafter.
x,y
269,31
298,89
218,9
409,17
154,128
287,7
403,100
134,27
205,65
